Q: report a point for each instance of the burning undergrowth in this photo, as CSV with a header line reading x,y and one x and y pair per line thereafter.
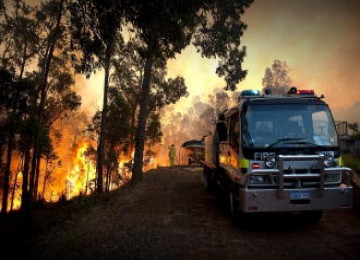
x,y
69,170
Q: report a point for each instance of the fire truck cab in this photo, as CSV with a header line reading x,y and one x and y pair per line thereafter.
x,y
277,154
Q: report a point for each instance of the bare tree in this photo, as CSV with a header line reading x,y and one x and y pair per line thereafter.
x,y
276,78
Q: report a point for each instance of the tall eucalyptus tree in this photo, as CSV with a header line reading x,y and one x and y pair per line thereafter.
x,y
96,31
167,27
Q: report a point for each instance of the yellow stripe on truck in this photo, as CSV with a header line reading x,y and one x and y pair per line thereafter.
x,y
244,163
340,161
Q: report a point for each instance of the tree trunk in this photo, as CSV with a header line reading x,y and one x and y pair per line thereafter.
x,y
25,197
13,192
87,178
132,134
137,173
1,154
14,184
43,94
7,173
101,143
134,109
23,63
33,167
37,177
44,186
108,179
46,176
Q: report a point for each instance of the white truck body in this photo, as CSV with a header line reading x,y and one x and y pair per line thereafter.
x,y
271,171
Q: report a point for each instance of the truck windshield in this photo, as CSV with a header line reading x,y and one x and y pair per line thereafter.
x,y
287,125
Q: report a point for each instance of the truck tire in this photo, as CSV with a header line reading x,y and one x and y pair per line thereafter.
x,y
238,217
312,217
234,212
208,180
243,220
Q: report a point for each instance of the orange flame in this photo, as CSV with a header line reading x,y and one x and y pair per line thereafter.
x,y
80,175
83,173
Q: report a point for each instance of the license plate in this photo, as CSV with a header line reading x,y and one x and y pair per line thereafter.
x,y
299,195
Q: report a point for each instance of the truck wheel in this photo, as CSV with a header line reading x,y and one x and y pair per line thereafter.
x,y
239,218
312,217
208,181
233,209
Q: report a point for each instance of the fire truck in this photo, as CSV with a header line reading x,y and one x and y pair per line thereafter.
x,y
277,154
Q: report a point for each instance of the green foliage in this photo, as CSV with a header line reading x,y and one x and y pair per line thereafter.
x,y
116,129
218,34
164,26
117,125
354,127
15,96
167,92
351,161
19,24
62,101
153,131
6,79
95,27
128,76
2,6
167,27
117,119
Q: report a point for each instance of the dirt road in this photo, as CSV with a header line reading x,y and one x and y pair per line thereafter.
x,y
170,216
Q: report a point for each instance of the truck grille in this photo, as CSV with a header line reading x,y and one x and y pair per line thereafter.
x,y
296,182
302,171
292,177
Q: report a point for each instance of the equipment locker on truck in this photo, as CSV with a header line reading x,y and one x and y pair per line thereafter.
x,y
278,154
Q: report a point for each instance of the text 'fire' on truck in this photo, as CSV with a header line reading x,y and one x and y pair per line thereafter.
x,y
278,154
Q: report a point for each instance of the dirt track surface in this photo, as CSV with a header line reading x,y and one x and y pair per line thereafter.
x,y
170,216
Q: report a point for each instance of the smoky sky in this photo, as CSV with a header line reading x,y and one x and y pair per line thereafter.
x,y
319,40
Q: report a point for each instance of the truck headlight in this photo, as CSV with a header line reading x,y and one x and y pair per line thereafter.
x,y
328,160
270,162
260,179
257,180
332,177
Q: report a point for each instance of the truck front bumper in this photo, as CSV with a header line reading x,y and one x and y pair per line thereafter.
x,y
304,199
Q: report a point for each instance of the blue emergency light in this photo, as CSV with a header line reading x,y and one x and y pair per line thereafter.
x,y
250,93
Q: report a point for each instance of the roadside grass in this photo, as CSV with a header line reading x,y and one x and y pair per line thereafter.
x,y
67,211
352,162
19,231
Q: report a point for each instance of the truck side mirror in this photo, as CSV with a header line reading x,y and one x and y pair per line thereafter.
x,y
221,129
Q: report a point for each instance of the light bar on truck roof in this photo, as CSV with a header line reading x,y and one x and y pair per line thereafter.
x,y
250,93
302,92
306,92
